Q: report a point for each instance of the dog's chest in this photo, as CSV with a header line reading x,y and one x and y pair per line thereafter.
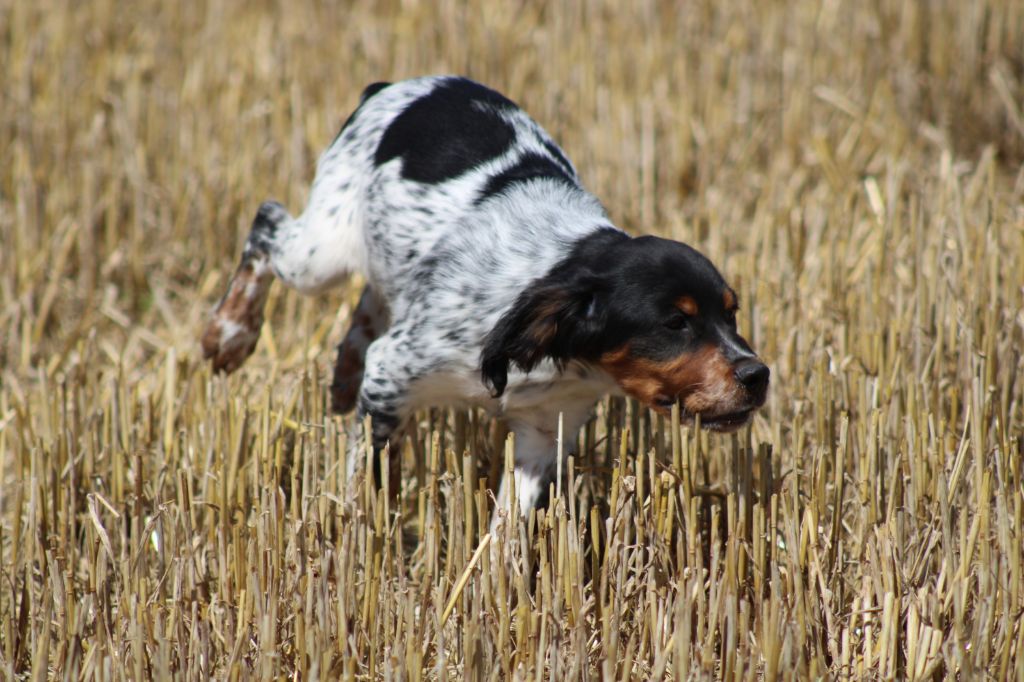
x,y
545,390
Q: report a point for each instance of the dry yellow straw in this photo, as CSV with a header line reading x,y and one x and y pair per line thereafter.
x,y
464,578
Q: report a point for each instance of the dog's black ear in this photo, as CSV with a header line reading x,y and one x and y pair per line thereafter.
x,y
558,317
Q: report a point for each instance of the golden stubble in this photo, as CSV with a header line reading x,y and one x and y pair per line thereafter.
x,y
851,167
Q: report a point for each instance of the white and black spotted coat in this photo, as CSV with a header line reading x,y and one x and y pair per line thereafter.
x,y
484,257
449,199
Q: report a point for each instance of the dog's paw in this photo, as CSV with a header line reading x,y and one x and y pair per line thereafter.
x,y
232,333
227,344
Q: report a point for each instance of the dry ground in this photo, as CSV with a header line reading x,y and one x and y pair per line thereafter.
x,y
854,169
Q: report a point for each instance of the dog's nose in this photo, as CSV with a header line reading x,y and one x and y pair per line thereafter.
x,y
753,374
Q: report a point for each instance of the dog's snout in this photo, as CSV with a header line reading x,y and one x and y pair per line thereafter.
x,y
753,374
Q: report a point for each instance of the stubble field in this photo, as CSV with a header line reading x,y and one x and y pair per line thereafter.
x,y
853,168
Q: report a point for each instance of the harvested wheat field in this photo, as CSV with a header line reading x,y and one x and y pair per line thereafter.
x,y
854,169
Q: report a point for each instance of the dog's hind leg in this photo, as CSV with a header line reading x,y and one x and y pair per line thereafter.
x,y
231,334
311,253
369,320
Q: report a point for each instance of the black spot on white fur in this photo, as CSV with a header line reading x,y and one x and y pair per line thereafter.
x,y
368,92
530,166
453,129
371,90
557,153
265,226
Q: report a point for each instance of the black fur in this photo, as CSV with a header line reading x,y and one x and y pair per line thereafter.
x,y
608,291
368,92
264,227
529,167
562,316
371,90
557,153
454,129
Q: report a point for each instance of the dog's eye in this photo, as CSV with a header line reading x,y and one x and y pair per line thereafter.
x,y
677,322
730,317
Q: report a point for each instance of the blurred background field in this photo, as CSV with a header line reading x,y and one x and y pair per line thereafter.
x,y
853,168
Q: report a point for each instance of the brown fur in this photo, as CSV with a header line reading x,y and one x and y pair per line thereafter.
x,y
367,322
729,299
688,306
348,370
702,380
544,327
242,305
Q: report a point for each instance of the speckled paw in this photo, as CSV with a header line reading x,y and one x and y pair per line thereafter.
x,y
232,333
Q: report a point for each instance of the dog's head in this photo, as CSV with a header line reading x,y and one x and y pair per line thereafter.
x,y
653,313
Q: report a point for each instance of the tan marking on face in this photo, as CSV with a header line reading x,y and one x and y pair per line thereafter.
x,y
729,299
688,305
702,380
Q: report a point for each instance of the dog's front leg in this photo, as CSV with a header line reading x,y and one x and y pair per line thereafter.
x,y
393,365
536,454
535,467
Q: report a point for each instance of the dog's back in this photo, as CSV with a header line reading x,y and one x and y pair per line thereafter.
x,y
413,162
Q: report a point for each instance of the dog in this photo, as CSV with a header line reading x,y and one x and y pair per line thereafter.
x,y
494,279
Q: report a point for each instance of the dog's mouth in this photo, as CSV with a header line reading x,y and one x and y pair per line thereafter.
x,y
724,422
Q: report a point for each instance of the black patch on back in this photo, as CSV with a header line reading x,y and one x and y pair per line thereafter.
x,y
530,167
371,90
368,92
557,153
451,130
